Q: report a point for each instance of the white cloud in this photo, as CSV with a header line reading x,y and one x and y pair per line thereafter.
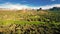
x,y
20,6
13,6
16,6
50,6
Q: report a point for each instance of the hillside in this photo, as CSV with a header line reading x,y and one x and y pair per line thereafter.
x,y
29,22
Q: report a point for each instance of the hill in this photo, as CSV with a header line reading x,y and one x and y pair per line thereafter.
x,y
55,8
29,22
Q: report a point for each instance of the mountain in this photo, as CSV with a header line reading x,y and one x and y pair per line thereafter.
x,y
55,9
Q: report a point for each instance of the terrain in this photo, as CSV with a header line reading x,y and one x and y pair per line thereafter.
x,y
30,21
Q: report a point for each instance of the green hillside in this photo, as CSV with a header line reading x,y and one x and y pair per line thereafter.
x,y
29,22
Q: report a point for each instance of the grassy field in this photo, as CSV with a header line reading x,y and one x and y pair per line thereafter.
x,y
29,22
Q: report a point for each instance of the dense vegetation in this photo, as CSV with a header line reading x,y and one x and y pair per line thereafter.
x,y
29,22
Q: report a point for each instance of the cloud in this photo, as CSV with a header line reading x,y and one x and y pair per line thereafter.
x,y
20,6
13,6
50,6
16,6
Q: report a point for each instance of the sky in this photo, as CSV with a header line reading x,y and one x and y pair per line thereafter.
x,y
34,4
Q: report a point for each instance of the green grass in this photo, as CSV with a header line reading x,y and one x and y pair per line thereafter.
x,y
27,22
7,22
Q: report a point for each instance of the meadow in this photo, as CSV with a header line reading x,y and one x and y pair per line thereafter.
x,y
29,22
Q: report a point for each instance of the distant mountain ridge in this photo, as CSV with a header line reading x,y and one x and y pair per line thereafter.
x,y
55,9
